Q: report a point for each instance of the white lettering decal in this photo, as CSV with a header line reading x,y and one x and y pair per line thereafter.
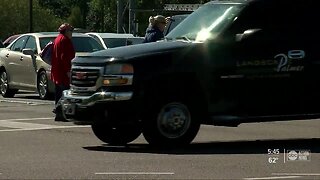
x,y
283,61
287,63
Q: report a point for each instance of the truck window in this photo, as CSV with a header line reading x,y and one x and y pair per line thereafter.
x,y
207,22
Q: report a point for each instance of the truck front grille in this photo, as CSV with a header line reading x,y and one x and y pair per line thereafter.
x,y
84,77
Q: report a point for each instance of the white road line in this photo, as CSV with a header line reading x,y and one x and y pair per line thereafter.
x,y
134,173
27,102
27,119
276,177
15,125
296,174
43,128
21,125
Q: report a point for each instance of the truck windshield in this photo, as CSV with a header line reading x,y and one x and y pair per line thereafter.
x,y
206,22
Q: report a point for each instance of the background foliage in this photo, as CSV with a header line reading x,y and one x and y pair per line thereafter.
x,y
92,15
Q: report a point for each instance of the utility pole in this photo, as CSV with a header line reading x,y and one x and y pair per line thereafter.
x,y
119,16
131,17
30,16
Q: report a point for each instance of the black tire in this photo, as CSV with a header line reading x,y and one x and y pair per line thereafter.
x,y
171,123
4,86
42,86
115,135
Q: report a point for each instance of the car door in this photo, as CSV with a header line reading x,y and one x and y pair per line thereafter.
x,y
29,63
14,61
269,62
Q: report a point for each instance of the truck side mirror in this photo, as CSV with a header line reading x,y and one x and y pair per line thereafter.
x,y
249,35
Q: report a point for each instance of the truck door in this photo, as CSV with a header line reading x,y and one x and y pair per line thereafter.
x,y
269,63
305,29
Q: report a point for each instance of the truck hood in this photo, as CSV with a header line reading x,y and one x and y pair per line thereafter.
x,y
133,51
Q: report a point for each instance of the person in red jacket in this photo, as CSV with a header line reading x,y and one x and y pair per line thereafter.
x,y
62,54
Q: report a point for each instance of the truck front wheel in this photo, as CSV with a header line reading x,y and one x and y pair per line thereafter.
x,y
171,123
115,135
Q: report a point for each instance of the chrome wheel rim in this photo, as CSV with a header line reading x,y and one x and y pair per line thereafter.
x,y
174,120
43,85
3,83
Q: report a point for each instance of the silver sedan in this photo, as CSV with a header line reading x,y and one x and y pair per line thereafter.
x,y
22,68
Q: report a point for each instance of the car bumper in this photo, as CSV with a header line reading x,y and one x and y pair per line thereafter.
x,y
94,107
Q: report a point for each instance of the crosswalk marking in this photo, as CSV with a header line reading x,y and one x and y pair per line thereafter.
x,y
43,128
23,125
27,119
15,125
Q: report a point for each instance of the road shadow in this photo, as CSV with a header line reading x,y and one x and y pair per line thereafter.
x,y
218,147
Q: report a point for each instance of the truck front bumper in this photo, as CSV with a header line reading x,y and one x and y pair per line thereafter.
x,y
89,108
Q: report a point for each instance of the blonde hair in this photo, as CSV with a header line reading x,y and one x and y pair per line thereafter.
x,y
154,20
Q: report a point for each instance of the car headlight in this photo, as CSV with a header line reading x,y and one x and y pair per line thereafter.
x,y
118,75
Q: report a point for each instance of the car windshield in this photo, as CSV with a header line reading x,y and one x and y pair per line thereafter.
x,y
86,44
115,42
81,44
207,22
174,21
132,41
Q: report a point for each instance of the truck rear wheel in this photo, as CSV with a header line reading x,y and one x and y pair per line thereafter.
x,y
171,124
43,87
115,135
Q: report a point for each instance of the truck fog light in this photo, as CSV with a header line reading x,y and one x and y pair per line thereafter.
x,y
115,82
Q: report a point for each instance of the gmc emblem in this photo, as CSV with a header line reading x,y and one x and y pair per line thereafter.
x,y
81,75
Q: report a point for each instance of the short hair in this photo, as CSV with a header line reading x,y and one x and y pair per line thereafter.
x,y
64,27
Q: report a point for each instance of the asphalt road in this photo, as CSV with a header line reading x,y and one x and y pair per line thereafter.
x,y
33,146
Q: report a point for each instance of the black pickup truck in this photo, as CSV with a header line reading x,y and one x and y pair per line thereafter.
x,y
227,63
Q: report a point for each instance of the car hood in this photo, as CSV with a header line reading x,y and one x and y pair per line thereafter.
x,y
133,51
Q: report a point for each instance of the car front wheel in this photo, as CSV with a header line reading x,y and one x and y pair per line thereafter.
x,y
4,86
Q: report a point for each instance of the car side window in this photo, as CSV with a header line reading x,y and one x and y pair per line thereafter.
x,y
19,44
31,44
96,38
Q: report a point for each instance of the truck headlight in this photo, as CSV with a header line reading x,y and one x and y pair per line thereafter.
x,y
113,69
118,75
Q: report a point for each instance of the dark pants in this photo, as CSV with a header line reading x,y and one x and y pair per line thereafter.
x,y
58,94
58,108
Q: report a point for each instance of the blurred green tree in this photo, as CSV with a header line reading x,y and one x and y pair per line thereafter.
x,y
102,16
75,10
15,18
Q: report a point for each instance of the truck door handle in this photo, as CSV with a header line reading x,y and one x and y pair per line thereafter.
x,y
21,58
7,55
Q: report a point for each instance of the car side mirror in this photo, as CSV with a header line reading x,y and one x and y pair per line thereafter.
x,y
28,52
32,54
248,35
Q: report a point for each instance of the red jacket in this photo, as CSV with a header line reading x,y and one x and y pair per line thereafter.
x,y
62,54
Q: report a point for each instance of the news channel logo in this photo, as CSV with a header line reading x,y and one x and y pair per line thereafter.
x,y
298,155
